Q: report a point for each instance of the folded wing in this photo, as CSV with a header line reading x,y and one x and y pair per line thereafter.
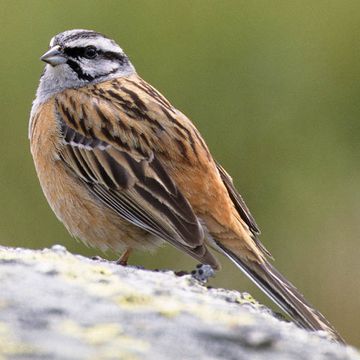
x,y
131,182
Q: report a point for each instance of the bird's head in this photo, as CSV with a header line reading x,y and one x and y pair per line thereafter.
x,y
77,58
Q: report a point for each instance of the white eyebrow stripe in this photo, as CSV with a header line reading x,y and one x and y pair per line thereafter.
x,y
100,43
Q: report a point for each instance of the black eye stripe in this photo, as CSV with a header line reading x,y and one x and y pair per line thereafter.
x,y
109,55
74,52
79,52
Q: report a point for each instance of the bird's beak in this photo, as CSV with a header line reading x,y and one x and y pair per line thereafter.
x,y
54,56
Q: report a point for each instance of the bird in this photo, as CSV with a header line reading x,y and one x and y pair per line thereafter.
x,y
123,169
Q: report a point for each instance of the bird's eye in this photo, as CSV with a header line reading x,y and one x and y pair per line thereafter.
x,y
90,52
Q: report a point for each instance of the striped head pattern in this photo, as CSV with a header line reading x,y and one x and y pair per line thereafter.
x,y
79,57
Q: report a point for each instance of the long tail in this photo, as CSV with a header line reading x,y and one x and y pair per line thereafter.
x,y
284,294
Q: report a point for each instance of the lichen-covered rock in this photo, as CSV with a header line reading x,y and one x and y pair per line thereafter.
x,y
56,305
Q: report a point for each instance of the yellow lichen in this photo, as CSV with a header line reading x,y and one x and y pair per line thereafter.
x,y
108,339
9,345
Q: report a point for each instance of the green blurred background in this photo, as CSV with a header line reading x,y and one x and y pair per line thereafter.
x,y
274,88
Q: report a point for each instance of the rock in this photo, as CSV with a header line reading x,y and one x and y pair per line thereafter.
x,y
56,305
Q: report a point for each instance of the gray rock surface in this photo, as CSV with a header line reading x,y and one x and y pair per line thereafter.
x,y
56,305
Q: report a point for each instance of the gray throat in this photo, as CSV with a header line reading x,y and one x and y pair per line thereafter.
x,y
57,79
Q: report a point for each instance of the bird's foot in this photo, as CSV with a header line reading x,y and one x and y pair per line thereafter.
x,y
98,258
181,273
203,272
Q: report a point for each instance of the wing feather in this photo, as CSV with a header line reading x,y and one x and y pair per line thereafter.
x,y
238,200
241,207
133,183
109,141
136,188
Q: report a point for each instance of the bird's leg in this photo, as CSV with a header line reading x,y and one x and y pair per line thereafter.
x,y
123,259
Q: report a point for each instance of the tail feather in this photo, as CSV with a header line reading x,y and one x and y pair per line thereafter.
x,y
283,293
